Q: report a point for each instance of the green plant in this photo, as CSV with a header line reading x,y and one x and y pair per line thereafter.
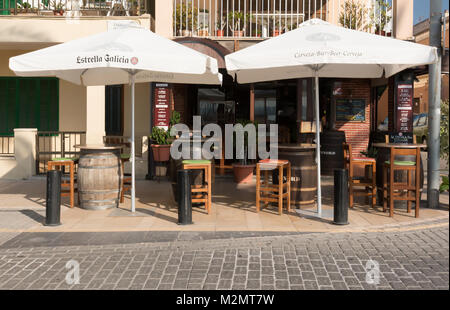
x,y
25,5
160,136
379,14
444,185
57,6
175,118
238,20
352,15
186,17
371,152
221,23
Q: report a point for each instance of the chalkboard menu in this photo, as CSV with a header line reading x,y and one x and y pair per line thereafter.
x,y
351,110
161,106
404,113
401,137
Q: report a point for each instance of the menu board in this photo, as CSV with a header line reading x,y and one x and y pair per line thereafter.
x,y
351,110
161,106
404,115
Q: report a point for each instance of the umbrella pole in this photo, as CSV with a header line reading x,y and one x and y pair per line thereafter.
x,y
319,192
133,195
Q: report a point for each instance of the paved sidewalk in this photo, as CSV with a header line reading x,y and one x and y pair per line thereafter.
x,y
415,259
22,205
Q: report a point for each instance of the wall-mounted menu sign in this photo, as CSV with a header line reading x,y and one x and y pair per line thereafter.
x,y
350,110
401,137
404,108
161,106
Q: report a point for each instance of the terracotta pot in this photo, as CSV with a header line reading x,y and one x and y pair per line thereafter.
x,y
219,33
203,33
243,173
276,32
161,152
239,33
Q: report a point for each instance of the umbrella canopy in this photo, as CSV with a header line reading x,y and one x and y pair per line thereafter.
x,y
333,50
107,58
120,57
320,49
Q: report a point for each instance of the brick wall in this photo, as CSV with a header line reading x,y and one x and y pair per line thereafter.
x,y
356,133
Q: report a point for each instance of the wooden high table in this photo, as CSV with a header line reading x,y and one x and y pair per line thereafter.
x,y
99,176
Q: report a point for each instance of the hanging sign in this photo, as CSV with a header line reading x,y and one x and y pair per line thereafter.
x,y
404,111
161,105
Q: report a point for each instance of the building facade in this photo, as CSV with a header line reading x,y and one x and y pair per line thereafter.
x,y
65,114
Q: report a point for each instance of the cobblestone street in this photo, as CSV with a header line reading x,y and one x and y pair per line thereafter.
x,y
414,259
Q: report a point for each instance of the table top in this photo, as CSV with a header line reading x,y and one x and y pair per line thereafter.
x,y
297,146
99,146
400,145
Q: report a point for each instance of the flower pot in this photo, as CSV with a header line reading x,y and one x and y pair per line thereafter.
x,y
58,12
186,33
243,173
237,33
203,33
276,32
161,152
219,33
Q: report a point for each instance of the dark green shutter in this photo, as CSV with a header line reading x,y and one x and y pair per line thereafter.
x,y
28,103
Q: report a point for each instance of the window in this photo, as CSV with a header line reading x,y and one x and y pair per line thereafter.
x,y
114,110
28,103
266,106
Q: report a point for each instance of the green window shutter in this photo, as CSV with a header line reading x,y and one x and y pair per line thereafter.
x,y
28,103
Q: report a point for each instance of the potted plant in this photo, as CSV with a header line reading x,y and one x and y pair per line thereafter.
x,y
243,168
203,30
352,15
160,144
379,16
277,25
220,27
186,19
237,22
58,8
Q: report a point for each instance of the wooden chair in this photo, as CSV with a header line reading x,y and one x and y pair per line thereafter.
x,y
396,190
126,179
369,184
67,187
201,193
273,192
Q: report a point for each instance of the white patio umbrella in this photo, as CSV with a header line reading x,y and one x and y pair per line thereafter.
x,y
120,57
320,49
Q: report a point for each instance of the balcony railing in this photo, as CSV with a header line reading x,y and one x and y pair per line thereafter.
x,y
74,7
268,18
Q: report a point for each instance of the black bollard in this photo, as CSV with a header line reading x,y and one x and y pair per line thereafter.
x,y
341,202
184,197
53,203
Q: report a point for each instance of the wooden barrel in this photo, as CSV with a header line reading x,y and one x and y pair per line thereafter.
x,y
99,178
303,172
331,152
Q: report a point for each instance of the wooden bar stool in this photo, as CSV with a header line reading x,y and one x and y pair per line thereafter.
x,y
201,193
67,187
396,190
369,184
126,179
273,192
